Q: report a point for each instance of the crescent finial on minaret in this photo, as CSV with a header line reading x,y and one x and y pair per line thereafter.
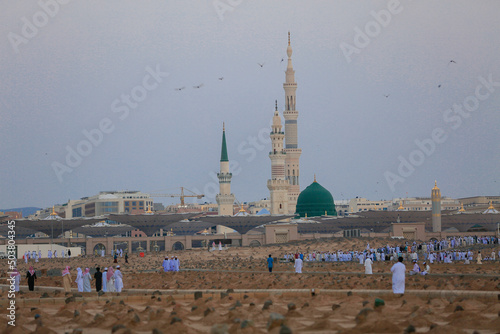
x,y
223,126
289,38
276,105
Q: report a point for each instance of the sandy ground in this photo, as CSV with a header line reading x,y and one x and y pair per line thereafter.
x,y
245,268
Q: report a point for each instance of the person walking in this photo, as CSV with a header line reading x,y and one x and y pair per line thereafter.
x,y
98,279
298,265
17,278
105,280
368,266
31,277
118,279
79,279
67,279
270,262
398,277
86,280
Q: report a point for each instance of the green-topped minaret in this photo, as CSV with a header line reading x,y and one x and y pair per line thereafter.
x,y
224,198
223,153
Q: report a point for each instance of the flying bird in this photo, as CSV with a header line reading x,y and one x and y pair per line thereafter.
x,y
439,86
261,65
386,96
452,61
180,88
221,78
282,59
199,86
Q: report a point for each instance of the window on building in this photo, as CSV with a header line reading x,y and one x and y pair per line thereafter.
x,y
77,212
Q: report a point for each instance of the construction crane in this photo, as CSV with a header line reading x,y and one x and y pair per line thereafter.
x,y
181,195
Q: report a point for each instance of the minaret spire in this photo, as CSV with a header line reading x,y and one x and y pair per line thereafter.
x,y
223,153
225,199
436,208
292,150
278,185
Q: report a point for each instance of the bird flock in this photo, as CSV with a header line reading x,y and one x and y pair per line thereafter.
x,y
261,65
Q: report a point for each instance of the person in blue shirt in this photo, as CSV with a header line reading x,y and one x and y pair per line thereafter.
x,y
270,262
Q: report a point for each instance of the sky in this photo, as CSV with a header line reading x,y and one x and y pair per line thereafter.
x,y
392,95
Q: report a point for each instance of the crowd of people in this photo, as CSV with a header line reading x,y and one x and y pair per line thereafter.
x,y
172,264
109,280
445,250
36,256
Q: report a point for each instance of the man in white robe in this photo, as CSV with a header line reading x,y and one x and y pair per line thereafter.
x,y
416,268
398,276
86,280
103,252
298,265
17,278
79,279
426,270
118,279
49,254
104,279
166,264
176,264
368,266
220,245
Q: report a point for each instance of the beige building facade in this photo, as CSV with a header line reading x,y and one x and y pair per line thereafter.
x,y
107,202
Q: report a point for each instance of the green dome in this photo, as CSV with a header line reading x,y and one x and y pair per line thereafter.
x,y
315,201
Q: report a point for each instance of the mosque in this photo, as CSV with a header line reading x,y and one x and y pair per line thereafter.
x,y
284,186
313,209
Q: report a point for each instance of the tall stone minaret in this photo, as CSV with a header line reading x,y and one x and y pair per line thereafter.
x,y
224,198
278,185
292,169
436,208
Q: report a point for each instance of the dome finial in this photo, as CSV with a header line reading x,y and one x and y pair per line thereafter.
x,y
314,177
461,207
223,126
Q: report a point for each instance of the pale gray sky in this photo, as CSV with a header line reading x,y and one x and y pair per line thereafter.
x,y
69,74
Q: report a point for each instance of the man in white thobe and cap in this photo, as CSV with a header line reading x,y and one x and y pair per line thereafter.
x,y
118,279
368,266
298,265
398,276
177,264
166,264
